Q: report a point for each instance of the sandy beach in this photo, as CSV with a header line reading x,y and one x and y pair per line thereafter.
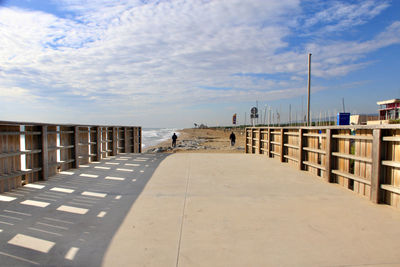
x,y
202,141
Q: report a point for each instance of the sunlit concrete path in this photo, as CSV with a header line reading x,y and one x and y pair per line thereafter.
x,y
70,219
193,210
247,210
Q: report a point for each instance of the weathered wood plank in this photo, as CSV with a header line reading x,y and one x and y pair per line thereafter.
x,y
351,176
349,156
349,136
282,140
45,154
76,147
376,166
328,153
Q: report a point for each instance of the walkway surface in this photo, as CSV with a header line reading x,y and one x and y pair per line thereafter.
x,y
194,210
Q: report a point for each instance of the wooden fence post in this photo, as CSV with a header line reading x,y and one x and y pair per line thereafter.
x,y
259,141
252,140
98,144
76,147
282,145
328,155
269,143
132,140
376,166
300,149
126,139
140,140
246,146
45,154
114,141
135,140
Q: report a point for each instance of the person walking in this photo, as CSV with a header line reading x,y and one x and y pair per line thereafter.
x,y
232,137
174,137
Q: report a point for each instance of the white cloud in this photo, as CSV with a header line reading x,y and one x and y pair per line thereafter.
x,y
134,54
21,95
339,16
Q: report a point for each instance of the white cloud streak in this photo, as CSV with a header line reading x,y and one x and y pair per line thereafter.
x,y
339,16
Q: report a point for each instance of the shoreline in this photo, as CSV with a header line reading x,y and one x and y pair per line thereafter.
x,y
202,141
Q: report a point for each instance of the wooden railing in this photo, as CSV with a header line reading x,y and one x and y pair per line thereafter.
x,y
31,152
363,159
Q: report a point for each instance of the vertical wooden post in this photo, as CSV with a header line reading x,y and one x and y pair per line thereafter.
x,y
45,154
282,145
131,140
376,166
246,147
98,144
132,143
269,143
126,140
259,141
251,140
135,139
76,147
328,155
139,140
114,141
300,149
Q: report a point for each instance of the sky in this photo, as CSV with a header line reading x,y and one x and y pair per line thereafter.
x,y
173,63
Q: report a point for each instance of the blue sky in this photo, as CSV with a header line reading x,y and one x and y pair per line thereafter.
x,y
175,63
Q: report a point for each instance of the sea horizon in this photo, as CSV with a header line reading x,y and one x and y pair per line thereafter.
x,y
154,136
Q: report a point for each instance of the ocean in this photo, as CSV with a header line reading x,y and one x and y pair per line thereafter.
x,y
154,136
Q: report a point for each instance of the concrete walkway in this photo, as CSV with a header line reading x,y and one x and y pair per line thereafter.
x,y
71,219
246,210
193,210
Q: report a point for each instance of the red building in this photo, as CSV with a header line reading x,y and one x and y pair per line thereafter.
x,y
389,109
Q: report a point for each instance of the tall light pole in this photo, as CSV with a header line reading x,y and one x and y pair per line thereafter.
x,y
309,89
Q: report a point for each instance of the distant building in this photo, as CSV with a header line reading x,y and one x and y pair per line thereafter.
x,y
389,109
358,119
364,119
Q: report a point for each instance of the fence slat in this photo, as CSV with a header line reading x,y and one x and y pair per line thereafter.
x,y
300,153
376,166
76,146
45,154
328,158
282,146
114,141
98,144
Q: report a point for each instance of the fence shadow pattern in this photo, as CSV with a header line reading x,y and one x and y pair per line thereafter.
x,y
363,159
71,219
31,152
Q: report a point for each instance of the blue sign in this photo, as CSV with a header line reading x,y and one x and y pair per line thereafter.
x,y
343,118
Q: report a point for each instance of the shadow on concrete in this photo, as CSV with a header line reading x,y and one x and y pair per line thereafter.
x,y
71,219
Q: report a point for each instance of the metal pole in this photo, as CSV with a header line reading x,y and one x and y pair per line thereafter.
x,y
309,89
269,117
265,115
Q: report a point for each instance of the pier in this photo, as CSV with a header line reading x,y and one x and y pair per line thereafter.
x,y
195,209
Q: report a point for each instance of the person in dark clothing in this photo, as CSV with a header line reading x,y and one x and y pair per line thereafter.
x,y
174,137
233,139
